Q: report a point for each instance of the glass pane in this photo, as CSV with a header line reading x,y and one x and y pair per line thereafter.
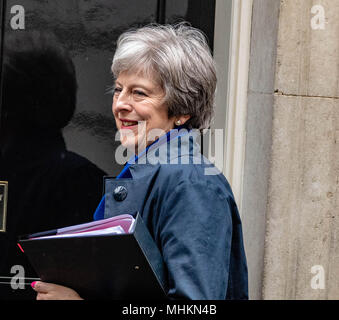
x,y
200,13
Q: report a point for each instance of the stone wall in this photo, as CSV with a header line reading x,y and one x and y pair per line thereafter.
x,y
302,218
260,99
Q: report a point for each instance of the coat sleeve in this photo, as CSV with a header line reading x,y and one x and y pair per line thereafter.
x,y
196,236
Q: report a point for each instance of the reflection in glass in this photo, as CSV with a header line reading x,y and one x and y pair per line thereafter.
x,y
49,186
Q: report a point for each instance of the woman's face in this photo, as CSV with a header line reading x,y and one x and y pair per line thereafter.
x,y
138,110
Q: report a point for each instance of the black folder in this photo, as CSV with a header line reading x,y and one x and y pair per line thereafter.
x,y
119,267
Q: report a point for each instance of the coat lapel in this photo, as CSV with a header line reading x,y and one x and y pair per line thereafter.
x,y
128,195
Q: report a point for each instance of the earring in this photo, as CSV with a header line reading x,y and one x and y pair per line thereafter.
x,y
178,122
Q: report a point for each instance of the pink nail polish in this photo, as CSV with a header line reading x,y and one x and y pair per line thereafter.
x,y
33,284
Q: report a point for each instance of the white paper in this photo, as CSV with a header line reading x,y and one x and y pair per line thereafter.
x,y
111,231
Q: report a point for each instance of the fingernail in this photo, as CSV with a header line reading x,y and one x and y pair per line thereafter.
x,y
33,284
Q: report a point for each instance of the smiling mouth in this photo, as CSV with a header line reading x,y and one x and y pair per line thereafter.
x,y
129,123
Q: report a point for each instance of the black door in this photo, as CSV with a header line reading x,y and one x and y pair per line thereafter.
x,y
57,134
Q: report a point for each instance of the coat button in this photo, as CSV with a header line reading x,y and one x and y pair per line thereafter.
x,y
120,193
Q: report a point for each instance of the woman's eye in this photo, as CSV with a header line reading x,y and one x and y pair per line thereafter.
x,y
139,93
116,91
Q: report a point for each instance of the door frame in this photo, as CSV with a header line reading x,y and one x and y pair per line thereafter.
x,y
232,56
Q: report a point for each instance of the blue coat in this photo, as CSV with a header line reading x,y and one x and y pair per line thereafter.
x,y
192,216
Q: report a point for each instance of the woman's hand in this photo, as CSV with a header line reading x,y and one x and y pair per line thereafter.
x,y
51,291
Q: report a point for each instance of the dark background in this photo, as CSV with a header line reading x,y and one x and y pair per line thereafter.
x,y
89,30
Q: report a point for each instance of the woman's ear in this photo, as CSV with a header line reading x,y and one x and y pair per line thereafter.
x,y
179,121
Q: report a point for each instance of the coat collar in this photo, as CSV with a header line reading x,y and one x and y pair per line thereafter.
x,y
176,147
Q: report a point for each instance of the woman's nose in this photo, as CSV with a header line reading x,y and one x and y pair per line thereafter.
x,y
123,102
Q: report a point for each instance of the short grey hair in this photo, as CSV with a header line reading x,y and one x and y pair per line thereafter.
x,y
180,57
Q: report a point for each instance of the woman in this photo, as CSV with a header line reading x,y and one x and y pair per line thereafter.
x,y
165,81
